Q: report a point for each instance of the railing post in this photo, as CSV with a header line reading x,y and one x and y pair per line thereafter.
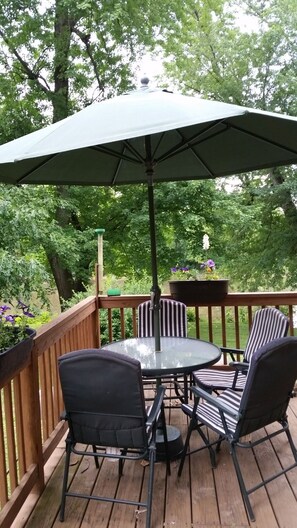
x,y
32,418
97,312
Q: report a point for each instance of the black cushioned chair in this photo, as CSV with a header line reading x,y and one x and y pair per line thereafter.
x,y
233,415
173,323
105,408
268,324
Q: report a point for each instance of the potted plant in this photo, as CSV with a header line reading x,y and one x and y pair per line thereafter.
x,y
16,340
198,284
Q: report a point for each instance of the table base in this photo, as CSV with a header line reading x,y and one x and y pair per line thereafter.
x,y
175,443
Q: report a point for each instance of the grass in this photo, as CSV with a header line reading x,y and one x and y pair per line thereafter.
x,y
217,333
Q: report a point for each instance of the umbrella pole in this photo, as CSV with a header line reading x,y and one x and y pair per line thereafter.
x,y
155,289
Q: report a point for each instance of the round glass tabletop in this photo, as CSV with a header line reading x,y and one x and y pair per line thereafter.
x,y
177,355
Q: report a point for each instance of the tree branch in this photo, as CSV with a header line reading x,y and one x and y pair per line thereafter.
x,y
29,72
85,38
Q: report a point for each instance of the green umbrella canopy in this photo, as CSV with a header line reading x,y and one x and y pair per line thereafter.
x,y
150,136
191,138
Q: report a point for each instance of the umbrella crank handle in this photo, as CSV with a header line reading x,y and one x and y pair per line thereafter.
x,y
155,298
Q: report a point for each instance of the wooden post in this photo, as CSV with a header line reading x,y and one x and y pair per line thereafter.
x,y
100,233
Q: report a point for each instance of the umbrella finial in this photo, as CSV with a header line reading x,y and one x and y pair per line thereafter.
x,y
144,82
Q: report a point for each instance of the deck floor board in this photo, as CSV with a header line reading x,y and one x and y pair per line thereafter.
x,y
201,498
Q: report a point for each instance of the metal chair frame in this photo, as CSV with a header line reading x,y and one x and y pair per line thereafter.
x,y
233,415
85,425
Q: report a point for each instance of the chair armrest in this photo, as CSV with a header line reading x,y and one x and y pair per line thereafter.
x,y
215,401
240,366
232,352
156,407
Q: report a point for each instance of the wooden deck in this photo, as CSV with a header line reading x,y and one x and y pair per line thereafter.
x,y
201,498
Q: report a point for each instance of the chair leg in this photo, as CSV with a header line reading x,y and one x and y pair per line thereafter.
x,y
292,445
182,395
242,486
185,449
121,462
221,438
65,480
211,451
152,460
163,422
96,459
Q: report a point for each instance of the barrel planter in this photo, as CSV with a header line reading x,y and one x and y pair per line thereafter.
x,y
199,291
15,358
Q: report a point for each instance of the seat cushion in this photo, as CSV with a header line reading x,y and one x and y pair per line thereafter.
x,y
219,379
209,413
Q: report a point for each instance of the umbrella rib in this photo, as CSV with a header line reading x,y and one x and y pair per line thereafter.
x,y
30,172
261,138
120,155
158,144
186,143
134,151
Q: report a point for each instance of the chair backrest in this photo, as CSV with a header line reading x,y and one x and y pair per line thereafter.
x,y
270,382
103,397
268,324
173,319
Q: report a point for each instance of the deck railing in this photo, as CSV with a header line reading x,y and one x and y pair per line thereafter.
x,y
31,402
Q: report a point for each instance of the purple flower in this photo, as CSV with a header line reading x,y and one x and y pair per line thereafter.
x,y
4,308
28,314
210,263
177,268
22,305
10,318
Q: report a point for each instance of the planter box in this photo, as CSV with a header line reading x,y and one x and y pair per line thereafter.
x,y
14,359
199,291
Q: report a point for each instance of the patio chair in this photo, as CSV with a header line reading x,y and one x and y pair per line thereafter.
x,y
173,319
173,323
268,324
233,415
105,408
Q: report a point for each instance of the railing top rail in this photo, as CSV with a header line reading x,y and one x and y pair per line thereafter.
x,y
50,332
232,299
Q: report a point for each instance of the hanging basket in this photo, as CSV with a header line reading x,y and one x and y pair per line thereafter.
x,y
199,291
14,359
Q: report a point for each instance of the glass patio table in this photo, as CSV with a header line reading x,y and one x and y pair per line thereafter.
x,y
178,355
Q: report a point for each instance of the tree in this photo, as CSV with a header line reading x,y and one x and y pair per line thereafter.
x,y
21,254
59,57
216,58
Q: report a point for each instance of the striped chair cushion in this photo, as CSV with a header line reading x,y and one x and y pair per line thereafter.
x,y
210,415
268,324
173,319
220,379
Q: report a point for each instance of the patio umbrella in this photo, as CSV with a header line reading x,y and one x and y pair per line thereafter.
x,y
150,136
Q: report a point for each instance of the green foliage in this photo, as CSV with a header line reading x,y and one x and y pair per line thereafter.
x,y
56,58
22,261
13,324
116,325
217,58
51,71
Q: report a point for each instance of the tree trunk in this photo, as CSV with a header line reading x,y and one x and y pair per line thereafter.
x,y
63,277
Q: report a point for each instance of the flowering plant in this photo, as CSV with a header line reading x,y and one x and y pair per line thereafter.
x,y
202,270
13,327
181,273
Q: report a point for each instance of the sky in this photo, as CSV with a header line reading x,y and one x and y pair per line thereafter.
x,y
152,66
